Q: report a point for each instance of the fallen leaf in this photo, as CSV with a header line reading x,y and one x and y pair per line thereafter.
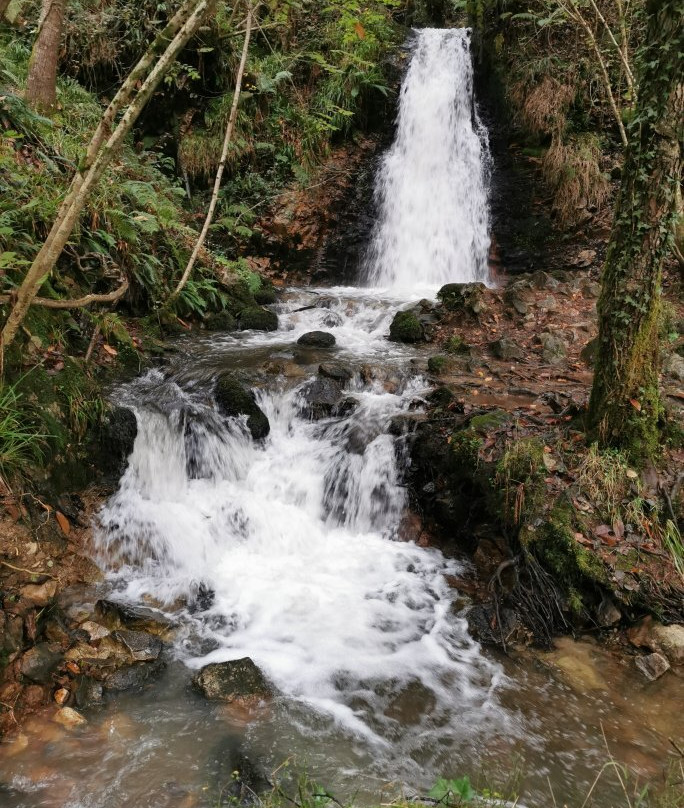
x,y
360,30
602,530
108,349
63,523
635,404
619,528
631,474
550,462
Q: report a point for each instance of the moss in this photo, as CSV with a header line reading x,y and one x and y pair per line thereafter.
x,y
406,327
519,481
465,449
258,319
467,297
456,345
490,421
265,296
220,321
234,400
437,364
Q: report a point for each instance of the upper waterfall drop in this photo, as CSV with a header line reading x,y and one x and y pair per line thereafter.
x,y
431,189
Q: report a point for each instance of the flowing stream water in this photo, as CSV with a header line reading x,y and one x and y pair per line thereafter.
x,y
287,550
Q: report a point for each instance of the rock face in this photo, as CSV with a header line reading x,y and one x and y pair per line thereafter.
x,y
316,339
238,681
233,400
119,431
255,318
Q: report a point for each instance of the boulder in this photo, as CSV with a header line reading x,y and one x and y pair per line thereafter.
x,y
234,399
39,594
265,296
321,397
669,640
141,646
220,321
674,367
40,662
316,339
406,327
553,348
255,318
589,353
117,438
336,372
504,348
467,297
653,666
133,677
238,681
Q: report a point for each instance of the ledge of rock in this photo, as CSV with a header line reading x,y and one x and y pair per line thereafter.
x,y
238,681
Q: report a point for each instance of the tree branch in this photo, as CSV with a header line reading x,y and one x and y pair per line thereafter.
x,y
77,303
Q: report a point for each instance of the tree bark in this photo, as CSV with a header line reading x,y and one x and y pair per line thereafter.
x,y
625,406
98,157
41,84
4,4
222,163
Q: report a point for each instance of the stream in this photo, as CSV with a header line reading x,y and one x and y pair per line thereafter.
x,y
288,550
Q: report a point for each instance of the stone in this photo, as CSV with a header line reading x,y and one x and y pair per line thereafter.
x,y
321,396
265,296
61,695
504,348
239,680
40,662
607,613
139,618
669,640
336,372
133,677
255,318
220,321
233,400
674,367
468,297
553,348
316,339
653,666
11,632
406,327
590,288
117,438
94,630
142,647
39,594
89,692
69,718
542,280
589,353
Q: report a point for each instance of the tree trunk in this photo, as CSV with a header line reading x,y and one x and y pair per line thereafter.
x,y
222,163
41,84
3,8
625,405
98,158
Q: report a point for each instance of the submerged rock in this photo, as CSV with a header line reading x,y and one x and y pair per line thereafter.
x,y
69,718
234,399
239,680
335,371
653,666
321,397
256,318
316,339
133,677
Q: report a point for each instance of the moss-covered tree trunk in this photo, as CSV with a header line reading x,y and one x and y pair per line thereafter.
x,y
41,84
625,405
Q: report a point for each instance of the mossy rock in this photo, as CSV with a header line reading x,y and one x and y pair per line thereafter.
x,y
234,399
220,321
406,327
256,318
488,421
467,297
456,345
437,364
238,680
265,296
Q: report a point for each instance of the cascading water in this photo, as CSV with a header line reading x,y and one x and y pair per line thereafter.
x,y
433,223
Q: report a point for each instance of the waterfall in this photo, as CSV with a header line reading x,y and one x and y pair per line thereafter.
x,y
431,190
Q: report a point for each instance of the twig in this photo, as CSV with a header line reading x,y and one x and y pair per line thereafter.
x,y
677,748
30,572
76,303
91,345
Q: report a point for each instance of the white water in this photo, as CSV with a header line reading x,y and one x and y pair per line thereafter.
x,y
297,536
433,224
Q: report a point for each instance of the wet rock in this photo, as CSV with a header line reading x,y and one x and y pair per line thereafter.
x,y
504,348
220,321
89,692
336,372
466,297
238,779
607,613
133,677
239,680
255,318
653,666
138,618
234,399
142,647
484,626
668,640
61,696
265,296
316,339
117,438
345,406
321,397
553,348
39,594
69,718
674,366
94,630
406,327
40,662
11,632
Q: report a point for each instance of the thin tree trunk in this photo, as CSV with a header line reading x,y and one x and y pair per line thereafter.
x,y
625,406
222,163
4,4
41,84
86,178
622,54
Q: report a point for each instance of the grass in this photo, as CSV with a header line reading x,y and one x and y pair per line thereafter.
x,y
19,442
